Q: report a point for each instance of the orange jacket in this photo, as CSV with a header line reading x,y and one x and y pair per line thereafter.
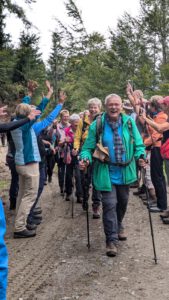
x,y
155,137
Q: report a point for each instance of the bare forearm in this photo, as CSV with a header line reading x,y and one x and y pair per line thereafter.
x,y
158,127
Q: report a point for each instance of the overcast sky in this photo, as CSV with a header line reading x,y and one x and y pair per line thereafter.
x,y
97,15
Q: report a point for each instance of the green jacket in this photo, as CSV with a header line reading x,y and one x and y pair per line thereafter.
x,y
134,147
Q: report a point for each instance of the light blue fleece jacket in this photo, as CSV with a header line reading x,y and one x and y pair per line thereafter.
x,y
25,140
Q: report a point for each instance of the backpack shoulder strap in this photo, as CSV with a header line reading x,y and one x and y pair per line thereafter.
x,y
98,128
129,123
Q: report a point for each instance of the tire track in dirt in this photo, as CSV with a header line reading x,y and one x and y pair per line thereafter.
x,y
31,260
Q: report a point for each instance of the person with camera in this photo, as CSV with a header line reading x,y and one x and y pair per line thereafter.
x,y
121,139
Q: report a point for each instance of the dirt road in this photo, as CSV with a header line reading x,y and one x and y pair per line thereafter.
x,y
56,264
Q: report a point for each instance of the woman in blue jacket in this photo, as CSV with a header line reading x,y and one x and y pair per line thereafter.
x,y
5,127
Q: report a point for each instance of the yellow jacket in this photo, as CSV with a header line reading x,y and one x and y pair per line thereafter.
x,y
81,132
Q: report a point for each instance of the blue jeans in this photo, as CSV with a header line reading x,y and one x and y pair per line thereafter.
x,y
114,208
3,255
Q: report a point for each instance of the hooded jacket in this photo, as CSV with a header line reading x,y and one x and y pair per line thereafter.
x,y
134,148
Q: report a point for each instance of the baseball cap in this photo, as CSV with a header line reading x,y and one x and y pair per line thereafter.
x,y
165,100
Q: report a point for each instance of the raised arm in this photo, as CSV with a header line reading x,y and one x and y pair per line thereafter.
x,y
158,127
5,127
38,127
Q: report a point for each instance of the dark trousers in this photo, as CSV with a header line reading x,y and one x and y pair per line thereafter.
x,y
86,180
157,177
14,186
50,161
114,208
79,190
65,173
42,178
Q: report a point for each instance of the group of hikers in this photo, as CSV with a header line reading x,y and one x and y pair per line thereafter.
x,y
98,152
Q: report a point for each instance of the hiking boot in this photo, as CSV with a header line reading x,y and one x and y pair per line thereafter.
x,y
37,217
50,179
24,234
79,199
155,209
122,236
151,202
35,221
143,196
140,191
111,249
96,212
165,221
165,214
37,211
67,197
31,226
84,205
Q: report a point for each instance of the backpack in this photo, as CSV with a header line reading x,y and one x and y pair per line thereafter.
x,y
164,150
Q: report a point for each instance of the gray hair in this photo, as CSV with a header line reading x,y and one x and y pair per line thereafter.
x,y
74,117
23,109
95,101
111,96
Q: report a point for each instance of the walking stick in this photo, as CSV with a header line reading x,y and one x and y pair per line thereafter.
x,y
149,213
73,191
85,186
64,181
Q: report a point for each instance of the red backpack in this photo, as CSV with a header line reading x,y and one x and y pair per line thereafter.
x,y
164,150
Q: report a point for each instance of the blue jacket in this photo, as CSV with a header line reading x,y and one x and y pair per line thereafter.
x,y
26,142
39,126
3,256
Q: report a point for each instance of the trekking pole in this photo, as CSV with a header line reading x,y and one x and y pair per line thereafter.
x,y
149,213
73,182
64,180
65,169
85,201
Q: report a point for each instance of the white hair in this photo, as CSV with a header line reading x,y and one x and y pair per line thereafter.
x,y
95,101
74,117
111,96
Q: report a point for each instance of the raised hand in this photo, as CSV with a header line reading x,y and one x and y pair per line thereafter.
x,y
62,97
48,85
33,114
129,89
32,85
3,110
50,89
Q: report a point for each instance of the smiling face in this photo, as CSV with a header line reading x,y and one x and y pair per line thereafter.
x,y
114,107
65,118
94,109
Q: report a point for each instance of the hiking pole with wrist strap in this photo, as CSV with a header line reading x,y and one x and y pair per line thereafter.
x,y
85,186
149,213
73,192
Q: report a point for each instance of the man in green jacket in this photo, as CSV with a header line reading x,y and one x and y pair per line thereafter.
x,y
120,136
